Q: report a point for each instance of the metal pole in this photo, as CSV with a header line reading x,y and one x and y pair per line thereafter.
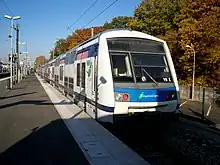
x,y
203,103
92,32
23,66
53,54
26,61
194,65
14,62
11,54
17,51
14,67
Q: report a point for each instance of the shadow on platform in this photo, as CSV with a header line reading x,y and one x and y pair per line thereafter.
x,y
50,144
34,102
23,94
54,144
196,116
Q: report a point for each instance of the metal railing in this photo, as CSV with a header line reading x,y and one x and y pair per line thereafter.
x,y
209,98
4,85
211,94
4,74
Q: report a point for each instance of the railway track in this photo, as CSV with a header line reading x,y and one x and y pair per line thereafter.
x,y
171,144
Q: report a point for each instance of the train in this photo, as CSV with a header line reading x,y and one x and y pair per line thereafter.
x,y
116,74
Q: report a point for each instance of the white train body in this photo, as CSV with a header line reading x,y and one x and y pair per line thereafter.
x,y
120,72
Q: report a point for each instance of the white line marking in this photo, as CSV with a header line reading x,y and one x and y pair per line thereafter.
x,y
209,110
183,103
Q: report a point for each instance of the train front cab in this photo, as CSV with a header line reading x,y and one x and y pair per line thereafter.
x,y
144,81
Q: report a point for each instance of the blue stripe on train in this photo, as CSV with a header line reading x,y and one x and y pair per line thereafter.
x,y
146,95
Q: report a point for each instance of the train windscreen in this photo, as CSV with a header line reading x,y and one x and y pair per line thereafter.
x,y
138,60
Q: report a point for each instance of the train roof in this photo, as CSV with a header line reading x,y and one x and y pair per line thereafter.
x,y
51,61
108,32
111,31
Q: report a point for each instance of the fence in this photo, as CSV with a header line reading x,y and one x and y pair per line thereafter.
x,y
212,95
208,98
4,74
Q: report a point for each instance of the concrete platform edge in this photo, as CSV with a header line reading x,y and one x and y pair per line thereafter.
x,y
108,159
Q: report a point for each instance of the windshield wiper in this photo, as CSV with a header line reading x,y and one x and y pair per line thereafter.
x,y
149,75
142,69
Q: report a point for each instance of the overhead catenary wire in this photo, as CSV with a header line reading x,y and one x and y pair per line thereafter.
x,y
100,13
82,14
6,6
105,9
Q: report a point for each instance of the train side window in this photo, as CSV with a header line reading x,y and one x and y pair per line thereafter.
x,y
78,75
95,77
61,73
72,57
53,72
83,74
66,59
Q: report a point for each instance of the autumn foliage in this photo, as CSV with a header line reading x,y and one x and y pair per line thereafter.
x,y
77,37
40,60
185,22
180,23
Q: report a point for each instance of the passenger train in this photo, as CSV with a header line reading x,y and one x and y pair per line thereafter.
x,y
118,73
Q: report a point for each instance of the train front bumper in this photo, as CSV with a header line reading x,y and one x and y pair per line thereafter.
x,y
146,107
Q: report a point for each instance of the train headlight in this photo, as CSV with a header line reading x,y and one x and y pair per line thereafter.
x,y
118,96
122,97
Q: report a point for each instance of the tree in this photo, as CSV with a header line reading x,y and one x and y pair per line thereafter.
x,y
40,60
61,46
161,19
181,23
121,22
200,22
81,35
157,17
76,38
172,39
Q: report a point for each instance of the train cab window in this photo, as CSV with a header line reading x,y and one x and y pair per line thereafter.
x,y
121,67
147,58
53,72
78,75
83,74
152,66
61,73
66,59
72,57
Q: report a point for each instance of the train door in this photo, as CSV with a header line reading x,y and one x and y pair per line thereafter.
x,y
79,86
83,83
90,87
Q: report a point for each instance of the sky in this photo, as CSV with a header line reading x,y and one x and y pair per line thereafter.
x,y
44,21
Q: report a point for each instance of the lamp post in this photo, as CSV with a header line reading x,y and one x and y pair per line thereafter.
x,y
11,36
194,65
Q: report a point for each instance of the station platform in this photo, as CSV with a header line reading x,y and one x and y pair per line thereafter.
x,y
31,130
41,126
193,110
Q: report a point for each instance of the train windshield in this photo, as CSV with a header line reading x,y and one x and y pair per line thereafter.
x,y
138,60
